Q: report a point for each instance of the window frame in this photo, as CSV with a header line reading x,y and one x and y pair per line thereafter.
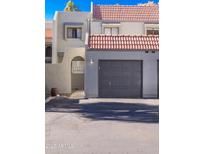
x,y
154,30
111,30
151,27
76,33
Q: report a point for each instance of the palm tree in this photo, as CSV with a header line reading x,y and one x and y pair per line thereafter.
x,y
70,7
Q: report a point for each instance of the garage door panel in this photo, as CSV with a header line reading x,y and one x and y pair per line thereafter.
x,y
122,93
120,78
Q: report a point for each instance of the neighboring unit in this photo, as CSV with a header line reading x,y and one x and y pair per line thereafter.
x,y
48,41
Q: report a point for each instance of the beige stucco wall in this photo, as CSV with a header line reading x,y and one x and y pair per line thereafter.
x,y
150,87
60,44
49,24
55,79
59,75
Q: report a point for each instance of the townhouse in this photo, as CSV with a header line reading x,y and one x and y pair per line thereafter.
x,y
111,51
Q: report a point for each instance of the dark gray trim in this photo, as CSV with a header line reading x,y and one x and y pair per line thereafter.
x,y
73,23
61,54
150,97
70,25
110,22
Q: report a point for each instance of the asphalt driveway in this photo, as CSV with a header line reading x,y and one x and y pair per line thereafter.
x,y
102,126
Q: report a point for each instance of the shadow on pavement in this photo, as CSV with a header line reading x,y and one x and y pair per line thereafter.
x,y
118,111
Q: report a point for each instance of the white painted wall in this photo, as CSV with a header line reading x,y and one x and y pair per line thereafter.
x,y
149,70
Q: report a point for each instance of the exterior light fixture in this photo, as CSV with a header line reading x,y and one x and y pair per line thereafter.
x,y
91,61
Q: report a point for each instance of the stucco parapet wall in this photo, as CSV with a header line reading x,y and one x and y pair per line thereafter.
x,y
60,42
72,14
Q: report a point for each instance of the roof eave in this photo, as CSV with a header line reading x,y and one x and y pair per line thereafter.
x,y
118,21
122,50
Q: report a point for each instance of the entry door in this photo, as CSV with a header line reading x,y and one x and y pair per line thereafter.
x,y
120,78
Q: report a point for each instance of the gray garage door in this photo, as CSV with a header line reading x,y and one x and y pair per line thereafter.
x,y
120,78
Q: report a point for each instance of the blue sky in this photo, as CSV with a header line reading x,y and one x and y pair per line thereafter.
x,y
84,5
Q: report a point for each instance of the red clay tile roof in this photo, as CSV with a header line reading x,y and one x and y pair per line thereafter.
x,y
48,33
140,13
123,42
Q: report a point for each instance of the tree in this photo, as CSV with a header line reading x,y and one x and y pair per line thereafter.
x,y
70,7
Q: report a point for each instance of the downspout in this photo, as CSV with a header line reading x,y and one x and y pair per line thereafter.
x,y
91,17
91,8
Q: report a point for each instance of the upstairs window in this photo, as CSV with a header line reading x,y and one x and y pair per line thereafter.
x,y
111,30
153,32
74,33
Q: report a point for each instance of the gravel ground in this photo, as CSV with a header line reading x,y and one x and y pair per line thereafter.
x,y
102,126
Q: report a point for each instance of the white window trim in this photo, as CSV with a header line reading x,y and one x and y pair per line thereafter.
x,y
151,27
111,25
111,28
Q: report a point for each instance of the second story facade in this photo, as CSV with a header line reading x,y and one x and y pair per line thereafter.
x,y
71,29
125,19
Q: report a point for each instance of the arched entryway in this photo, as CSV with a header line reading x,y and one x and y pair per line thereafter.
x,y
77,73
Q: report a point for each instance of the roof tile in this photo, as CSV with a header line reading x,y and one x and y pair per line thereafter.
x,y
48,33
119,42
146,13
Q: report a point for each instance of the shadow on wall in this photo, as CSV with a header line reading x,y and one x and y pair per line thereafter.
x,y
125,112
